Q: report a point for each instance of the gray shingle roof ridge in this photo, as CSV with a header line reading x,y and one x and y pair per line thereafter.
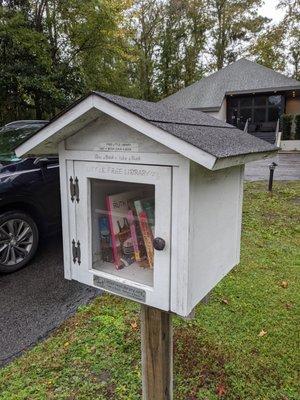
x,y
227,126
181,114
117,96
269,70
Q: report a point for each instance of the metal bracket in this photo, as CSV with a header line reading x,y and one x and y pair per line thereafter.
x,y
77,189
76,252
74,189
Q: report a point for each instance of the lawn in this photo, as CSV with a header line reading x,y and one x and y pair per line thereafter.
x,y
242,345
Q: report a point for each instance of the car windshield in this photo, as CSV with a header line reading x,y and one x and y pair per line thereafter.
x,y
12,135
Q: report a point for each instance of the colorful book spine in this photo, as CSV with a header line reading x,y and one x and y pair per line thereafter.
x,y
113,236
148,237
130,218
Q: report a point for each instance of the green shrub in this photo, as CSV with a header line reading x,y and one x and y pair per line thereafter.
x,y
297,128
286,120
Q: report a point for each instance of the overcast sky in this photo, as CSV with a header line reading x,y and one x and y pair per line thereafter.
x,y
269,10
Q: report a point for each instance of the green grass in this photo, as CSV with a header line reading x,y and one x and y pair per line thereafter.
x,y
219,354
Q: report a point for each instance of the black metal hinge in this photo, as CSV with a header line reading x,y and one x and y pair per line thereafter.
x,y
74,189
76,253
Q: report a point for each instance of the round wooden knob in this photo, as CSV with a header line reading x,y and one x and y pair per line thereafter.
x,y
159,243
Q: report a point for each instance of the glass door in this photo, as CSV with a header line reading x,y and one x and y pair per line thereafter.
x,y
123,227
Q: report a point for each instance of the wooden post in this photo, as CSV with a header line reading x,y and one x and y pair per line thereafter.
x,y
157,354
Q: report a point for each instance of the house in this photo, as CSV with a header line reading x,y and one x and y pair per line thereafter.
x,y
243,91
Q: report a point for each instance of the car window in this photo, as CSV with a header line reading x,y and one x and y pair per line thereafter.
x,y
12,136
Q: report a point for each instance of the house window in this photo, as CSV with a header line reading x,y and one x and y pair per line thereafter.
x,y
262,111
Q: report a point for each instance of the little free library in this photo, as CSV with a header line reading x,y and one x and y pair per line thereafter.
x,y
151,197
151,206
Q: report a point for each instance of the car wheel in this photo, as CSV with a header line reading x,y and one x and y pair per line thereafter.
x,y
19,238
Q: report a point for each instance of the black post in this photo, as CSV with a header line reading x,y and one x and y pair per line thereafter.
x,y
272,169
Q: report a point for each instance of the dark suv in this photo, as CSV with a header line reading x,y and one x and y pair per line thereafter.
x,y
29,197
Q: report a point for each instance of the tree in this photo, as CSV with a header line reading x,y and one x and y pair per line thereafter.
x,y
291,24
144,20
183,36
235,24
53,51
97,42
31,85
268,48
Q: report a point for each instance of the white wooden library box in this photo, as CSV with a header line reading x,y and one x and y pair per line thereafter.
x,y
151,197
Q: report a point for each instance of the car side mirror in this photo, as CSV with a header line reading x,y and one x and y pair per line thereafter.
x,y
42,162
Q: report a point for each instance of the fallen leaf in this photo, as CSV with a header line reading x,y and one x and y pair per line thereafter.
x,y
225,301
262,333
67,344
134,325
255,352
284,284
221,391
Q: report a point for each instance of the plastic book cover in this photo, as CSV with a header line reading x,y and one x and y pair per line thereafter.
x,y
121,239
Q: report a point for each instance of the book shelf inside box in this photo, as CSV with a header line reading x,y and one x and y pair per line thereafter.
x,y
123,225
133,273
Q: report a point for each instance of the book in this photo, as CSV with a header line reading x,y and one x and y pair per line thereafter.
x,y
121,239
147,205
133,232
148,237
105,238
146,215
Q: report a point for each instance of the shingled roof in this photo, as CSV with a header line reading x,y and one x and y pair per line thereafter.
x,y
243,76
196,128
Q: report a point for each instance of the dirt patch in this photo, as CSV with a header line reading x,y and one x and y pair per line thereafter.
x,y
199,362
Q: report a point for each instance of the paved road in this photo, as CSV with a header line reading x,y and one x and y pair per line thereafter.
x,y
37,299
288,168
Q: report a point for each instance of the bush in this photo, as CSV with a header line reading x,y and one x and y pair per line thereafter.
x,y
287,120
297,128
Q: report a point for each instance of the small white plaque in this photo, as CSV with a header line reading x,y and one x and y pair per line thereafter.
x,y
119,147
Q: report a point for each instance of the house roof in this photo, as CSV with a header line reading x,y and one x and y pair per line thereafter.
x,y
200,130
243,76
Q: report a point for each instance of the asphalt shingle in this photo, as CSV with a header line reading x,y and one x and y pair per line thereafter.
x,y
195,127
166,113
241,76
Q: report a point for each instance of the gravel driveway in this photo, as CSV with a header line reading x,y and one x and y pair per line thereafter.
x,y
37,299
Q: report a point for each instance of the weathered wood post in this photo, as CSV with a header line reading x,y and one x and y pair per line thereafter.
x,y
157,354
